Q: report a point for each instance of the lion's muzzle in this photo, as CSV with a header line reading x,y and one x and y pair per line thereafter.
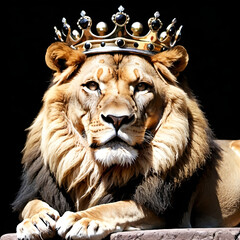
x,y
116,147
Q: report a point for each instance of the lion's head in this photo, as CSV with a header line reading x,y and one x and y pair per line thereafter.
x,y
109,118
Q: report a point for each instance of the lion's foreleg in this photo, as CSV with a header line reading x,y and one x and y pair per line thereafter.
x,y
39,221
99,221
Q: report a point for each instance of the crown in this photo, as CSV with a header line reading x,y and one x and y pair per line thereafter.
x,y
119,39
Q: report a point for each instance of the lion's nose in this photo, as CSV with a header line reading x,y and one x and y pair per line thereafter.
x,y
118,121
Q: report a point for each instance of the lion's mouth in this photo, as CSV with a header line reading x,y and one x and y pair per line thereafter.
x,y
116,140
115,151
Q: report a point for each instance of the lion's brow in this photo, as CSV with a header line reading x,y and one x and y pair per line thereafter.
x,y
104,74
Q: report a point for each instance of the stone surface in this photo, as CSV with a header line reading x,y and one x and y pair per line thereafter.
x,y
9,236
180,234
169,234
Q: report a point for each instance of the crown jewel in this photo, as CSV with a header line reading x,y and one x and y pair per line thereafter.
x,y
119,40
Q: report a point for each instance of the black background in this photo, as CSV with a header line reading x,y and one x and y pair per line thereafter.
x,y
210,34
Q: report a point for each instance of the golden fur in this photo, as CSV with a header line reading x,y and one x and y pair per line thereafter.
x,y
165,132
69,156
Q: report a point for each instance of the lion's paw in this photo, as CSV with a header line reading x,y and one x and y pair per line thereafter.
x,y
40,226
74,226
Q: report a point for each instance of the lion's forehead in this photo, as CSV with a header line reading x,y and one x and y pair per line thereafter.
x,y
105,67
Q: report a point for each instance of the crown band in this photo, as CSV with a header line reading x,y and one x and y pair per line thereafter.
x,y
119,40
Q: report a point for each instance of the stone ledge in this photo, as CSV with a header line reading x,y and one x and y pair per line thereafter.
x,y
180,234
9,236
168,234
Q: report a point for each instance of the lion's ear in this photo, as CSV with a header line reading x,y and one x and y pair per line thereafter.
x,y
60,56
171,62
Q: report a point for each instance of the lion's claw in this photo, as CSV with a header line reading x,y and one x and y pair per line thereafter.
x,y
40,226
73,226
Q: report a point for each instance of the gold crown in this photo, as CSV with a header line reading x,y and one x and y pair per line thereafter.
x,y
119,40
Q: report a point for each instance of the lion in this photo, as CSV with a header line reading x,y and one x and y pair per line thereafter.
x,y
121,143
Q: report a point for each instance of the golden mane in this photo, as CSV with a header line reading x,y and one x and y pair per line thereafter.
x,y
179,146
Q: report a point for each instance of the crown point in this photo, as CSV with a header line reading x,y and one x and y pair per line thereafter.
x,y
66,27
178,33
75,34
155,23
102,28
58,34
84,22
120,18
171,30
163,35
136,28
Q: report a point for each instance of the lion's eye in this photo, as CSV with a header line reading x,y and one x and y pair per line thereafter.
x,y
141,87
91,85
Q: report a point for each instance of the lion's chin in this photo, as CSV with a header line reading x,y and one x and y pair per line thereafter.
x,y
118,153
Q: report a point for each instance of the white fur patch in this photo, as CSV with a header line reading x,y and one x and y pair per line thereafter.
x,y
116,153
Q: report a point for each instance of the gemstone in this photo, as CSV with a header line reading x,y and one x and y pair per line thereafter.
x,y
120,43
163,49
157,14
102,44
135,44
65,30
121,8
83,22
150,47
87,45
156,24
172,31
83,13
120,19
